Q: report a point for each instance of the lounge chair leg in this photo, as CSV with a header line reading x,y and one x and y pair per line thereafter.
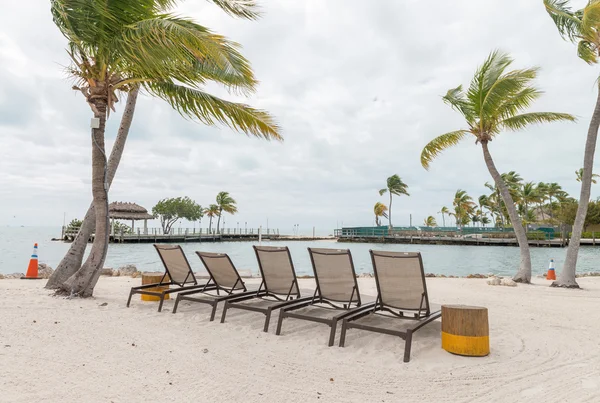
x,y
129,300
332,333
279,323
343,334
224,312
214,311
407,346
160,304
267,320
176,303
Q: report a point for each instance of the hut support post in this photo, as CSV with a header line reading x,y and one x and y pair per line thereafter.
x,y
145,227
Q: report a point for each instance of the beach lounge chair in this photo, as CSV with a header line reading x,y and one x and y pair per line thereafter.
x,y
336,295
178,273
402,305
223,275
279,286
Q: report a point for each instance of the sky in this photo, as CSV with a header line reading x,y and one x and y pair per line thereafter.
x,y
356,87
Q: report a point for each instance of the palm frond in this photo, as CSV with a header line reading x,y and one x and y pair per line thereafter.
x,y
591,20
569,24
382,191
195,104
439,144
239,8
587,51
504,88
521,121
166,40
517,102
485,76
455,97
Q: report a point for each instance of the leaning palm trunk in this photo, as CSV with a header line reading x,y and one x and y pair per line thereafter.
x,y
524,273
81,281
566,277
74,257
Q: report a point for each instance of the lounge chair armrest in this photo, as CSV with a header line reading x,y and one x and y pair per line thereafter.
x,y
244,296
299,303
142,287
359,312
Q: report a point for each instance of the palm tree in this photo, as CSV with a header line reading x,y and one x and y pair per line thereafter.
x,y
514,183
430,222
463,207
579,175
211,211
118,46
495,202
529,195
444,210
72,260
395,186
580,27
226,204
380,210
484,201
542,191
493,103
553,190
485,220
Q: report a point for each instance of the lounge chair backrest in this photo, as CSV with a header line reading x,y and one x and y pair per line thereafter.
x,y
334,274
221,269
277,270
401,280
176,264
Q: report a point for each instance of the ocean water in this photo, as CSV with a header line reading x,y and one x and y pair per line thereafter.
x,y
16,244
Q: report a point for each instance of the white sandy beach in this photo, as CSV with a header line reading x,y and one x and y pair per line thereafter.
x,y
544,347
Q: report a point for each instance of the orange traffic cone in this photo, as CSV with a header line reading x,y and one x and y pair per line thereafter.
x,y
32,269
551,272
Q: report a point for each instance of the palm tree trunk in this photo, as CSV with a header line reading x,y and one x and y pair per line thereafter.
x,y
526,213
391,227
566,277
82,282
74,256
443,220
210,225
524,273
219,220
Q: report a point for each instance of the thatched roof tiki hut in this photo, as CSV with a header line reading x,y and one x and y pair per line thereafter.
x,y
128,211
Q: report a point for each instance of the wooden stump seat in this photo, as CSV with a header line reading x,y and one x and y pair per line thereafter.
x,y
465,330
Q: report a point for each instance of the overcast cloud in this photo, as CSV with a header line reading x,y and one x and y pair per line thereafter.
x,y
355,85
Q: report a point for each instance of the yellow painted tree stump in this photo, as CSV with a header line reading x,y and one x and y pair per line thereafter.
x,y
465,330
151,278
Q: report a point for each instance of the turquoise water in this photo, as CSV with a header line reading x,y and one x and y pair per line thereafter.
x,y
16,244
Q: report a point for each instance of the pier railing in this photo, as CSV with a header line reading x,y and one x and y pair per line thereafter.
x,y
71,233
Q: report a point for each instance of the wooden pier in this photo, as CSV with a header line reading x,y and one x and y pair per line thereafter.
x,y
183,235
444,240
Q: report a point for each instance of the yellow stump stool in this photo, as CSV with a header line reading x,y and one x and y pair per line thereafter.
x,y
465,330
151,278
